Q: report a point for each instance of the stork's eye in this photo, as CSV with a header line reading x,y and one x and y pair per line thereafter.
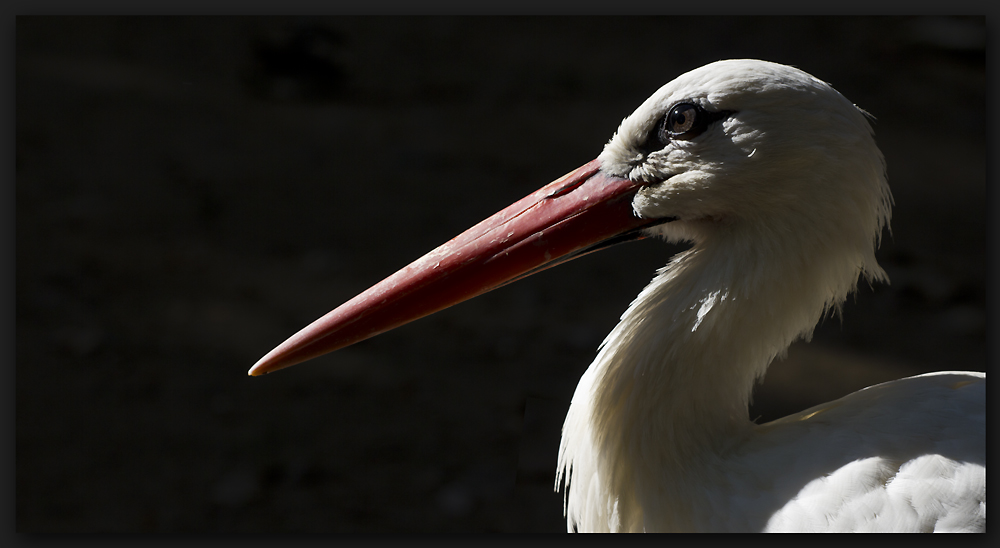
x,y
686,121
681,119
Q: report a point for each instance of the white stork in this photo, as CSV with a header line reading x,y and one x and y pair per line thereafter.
x,y
776,180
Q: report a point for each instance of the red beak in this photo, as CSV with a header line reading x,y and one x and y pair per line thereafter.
x,y
580,212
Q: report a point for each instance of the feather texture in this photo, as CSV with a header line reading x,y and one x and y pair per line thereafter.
x,y
785,201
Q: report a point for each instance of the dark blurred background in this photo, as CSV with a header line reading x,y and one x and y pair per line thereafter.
x,y
191,191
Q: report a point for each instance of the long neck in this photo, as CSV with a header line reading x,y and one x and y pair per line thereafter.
x,y
668,393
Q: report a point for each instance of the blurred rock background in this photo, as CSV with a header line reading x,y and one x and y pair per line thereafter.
x,y
191,191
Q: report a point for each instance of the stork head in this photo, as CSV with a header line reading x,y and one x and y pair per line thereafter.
x,y
730,149
747,144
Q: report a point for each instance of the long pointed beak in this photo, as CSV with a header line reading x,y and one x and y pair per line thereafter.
x,y
580,212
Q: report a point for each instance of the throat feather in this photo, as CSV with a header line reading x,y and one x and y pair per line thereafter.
x,y
672,382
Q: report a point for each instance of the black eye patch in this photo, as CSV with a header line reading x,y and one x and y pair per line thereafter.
x,y
685,120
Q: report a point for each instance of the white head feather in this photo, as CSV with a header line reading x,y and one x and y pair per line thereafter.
x,y
794,149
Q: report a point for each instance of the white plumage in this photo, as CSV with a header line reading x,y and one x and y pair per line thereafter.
x,y
776,180
785,201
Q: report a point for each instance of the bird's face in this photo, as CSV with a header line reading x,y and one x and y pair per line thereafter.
x,y
749,142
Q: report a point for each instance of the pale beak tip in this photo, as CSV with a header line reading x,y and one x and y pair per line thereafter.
x,y
279,358
264,365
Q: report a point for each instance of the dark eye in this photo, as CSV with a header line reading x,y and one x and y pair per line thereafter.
x,y
686,121
681,119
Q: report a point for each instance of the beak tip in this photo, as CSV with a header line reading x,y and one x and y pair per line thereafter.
x,y
263,366
281,357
